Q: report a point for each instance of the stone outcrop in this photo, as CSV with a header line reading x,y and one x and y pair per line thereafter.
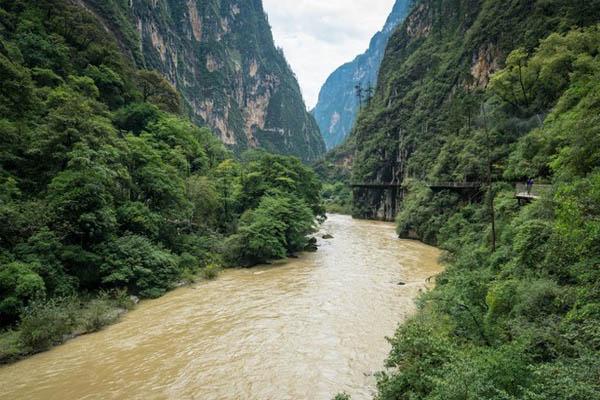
x,y
221,57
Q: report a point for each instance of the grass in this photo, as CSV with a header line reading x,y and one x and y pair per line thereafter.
x,y
52,322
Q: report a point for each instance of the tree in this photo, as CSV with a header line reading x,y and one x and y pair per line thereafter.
x,y
277,227
109,83
19,284
158,91
80,199
203,196
136,117
16,88
134,262
359,95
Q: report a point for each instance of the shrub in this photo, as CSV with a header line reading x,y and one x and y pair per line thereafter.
x,y
278,226
98,313
11,347
122,299
45,323
211,271
19,284
135,262
342,396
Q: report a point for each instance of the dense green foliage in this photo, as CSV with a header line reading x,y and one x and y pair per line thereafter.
x,y
423,120
334,172
521,320
105,190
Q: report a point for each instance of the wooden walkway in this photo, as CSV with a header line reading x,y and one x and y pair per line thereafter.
x,y
376,185
536,192
455,185
436,185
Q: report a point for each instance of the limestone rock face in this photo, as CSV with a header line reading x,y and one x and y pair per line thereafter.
x,y
221,57
435,67
338,104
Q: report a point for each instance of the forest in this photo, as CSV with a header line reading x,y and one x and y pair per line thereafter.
x,y
516,314
108,191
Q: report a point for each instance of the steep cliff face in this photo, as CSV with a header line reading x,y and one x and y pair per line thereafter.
x,y
435,68
221,57
338,104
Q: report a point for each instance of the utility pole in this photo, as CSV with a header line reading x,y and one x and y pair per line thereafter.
x,y
369,93
359,95
489,176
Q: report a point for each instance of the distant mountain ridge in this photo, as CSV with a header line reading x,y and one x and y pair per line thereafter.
x,y
338,105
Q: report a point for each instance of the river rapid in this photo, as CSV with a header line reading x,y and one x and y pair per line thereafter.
x,y
304,329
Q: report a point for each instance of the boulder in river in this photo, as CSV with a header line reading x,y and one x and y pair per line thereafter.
x,y
312,245
327,236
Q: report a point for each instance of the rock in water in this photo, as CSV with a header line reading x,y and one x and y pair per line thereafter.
x,y
312,245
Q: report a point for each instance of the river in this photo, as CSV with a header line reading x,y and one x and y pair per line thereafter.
x,y
304,329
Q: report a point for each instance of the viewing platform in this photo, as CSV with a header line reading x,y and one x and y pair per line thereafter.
x,y
536,192
522,193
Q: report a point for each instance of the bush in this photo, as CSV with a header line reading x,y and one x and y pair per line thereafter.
x,y
11,347
211,271
19,284
45,323
342,396
122,299
98,313
278,226
134,262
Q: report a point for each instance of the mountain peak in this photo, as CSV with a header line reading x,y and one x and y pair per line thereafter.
x,y
338,104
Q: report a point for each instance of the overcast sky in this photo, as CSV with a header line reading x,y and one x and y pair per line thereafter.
x,y
318,36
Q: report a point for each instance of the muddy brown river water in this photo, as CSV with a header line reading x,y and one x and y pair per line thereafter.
x,y
304,329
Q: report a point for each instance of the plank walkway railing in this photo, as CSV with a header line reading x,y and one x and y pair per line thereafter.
x,y
436,185
455,185
536,192
376,185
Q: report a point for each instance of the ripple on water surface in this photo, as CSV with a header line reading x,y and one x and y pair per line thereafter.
x,y
304,329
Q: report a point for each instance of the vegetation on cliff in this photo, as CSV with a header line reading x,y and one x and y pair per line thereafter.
x,y
106,191
221,57
335,173
339,102
432,83
494,92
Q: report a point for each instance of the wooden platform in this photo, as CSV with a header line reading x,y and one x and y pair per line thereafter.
x,y
536,192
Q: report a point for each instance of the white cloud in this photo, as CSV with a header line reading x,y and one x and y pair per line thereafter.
x,y
318,36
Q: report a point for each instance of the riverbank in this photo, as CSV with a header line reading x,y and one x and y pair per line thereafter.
x,y
57,321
